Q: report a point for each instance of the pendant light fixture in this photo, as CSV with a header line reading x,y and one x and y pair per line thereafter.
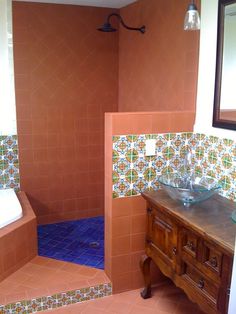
x,y
192,19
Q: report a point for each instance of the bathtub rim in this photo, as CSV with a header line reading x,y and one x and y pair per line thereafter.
x,y
27,211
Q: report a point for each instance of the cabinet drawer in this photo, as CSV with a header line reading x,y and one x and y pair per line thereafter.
x,y
201,283
162,235
212,258
189,243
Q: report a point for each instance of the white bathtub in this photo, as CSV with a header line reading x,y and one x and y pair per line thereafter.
x,y
10,208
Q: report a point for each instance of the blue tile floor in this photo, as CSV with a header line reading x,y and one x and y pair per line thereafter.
x,y
80,241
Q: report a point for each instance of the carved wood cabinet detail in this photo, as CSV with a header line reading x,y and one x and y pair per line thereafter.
x,y
193,246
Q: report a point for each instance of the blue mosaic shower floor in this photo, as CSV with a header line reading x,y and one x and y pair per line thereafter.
x,y
80,241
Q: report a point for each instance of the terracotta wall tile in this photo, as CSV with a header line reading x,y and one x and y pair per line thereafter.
x,y
135,260
60,104
121,245
121,226
122,282
18,241
137,242
158,68
122,207
121,264
138,224
138,205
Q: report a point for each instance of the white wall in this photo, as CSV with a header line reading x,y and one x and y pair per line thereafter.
x,y
205,94
7,93
232,300
206,77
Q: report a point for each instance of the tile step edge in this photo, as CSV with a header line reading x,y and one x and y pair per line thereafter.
x,y
57,300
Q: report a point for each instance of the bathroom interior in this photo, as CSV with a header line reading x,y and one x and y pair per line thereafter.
x,y
77,112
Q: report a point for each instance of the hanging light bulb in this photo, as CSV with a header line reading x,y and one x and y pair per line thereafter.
x,y
192,19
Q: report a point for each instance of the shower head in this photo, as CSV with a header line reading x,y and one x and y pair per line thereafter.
x,y
108,28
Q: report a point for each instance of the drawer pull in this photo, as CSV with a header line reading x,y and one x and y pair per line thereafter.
x,y
190,246
201,284
174,250
213,262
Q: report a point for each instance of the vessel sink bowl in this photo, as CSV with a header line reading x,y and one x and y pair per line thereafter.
x,y
188,188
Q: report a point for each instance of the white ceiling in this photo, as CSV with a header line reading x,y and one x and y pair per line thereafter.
x,y
94,3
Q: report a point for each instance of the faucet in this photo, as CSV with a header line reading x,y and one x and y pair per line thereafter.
x,y
188,170
187,161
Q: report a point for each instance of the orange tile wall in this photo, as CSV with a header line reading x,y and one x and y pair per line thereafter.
x,y
125,218
66,77
157,70
18,241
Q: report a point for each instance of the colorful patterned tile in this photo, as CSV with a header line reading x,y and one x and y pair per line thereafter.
x,y
211,156
9,165
57,300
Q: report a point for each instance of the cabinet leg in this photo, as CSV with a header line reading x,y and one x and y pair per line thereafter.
x,y
145,268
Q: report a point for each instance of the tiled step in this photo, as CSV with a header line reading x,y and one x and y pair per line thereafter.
x,y
44,284
166,299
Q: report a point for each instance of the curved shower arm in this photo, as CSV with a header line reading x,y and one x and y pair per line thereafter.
x,y
140,29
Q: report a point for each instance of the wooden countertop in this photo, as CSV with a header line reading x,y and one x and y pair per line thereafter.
x,y
210,218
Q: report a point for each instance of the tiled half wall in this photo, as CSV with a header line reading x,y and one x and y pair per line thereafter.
x,y
9,164
133,172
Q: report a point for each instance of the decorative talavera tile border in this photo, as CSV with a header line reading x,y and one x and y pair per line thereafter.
x,y
9,163
216,158
57,300
133,172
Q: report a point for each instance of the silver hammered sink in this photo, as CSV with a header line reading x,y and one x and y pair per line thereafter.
x,y
188,188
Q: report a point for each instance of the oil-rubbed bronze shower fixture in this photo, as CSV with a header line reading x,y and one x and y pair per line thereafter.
x,y
108,28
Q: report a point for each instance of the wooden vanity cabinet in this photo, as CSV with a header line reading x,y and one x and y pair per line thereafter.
x,y
193,246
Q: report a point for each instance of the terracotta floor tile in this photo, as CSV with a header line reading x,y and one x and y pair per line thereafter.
x,y
64,276
151,303
56,288
19,289
70,267
143,309
119,307
35,293
102,303
18,277
101,279
166,305
184,308
72,309
7,287
130,302
77,284
129,296
39,260
43,277
41,280
89,271
31,269
14,297
2,299
52,263
92,310
102,276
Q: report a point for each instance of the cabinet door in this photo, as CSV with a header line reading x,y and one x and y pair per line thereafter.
x,y
163,235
